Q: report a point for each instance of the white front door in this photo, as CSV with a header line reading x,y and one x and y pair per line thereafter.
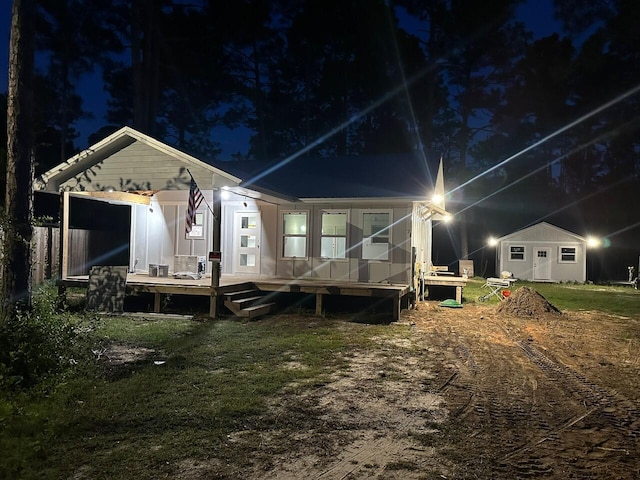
x,y
541,263
246,242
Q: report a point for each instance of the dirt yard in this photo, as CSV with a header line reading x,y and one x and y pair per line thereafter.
x,y
513,391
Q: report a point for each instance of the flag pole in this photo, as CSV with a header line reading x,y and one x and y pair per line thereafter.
x,y
216,212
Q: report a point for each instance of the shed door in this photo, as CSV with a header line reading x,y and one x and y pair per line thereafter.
x,y
541,263
246,242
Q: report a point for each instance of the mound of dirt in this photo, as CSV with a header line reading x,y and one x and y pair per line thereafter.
x,y
528,303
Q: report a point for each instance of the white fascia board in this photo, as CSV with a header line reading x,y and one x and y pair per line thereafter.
x,y
539,225
116,141
360,200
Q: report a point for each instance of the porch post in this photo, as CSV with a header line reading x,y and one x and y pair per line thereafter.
x,y
215,266
63,257
319,298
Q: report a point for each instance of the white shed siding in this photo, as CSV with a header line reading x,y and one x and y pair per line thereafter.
x,y
543,236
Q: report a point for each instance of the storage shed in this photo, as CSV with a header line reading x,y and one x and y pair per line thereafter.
x,y
543,253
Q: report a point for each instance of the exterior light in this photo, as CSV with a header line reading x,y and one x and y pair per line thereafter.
x,y
447,218
594,242
225,194
436,198
492,241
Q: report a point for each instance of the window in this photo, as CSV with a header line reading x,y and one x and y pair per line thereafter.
x,y
333,241
197,228
294,228
567,255
376,235
516,253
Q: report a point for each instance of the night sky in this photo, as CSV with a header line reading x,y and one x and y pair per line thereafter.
x,y
537,15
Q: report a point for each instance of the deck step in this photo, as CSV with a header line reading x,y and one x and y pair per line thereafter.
x,y
241,294
247,303
255,310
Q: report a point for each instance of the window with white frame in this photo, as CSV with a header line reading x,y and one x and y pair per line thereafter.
x,y
333,240
294,232
516,253
567,255
376,235
197,227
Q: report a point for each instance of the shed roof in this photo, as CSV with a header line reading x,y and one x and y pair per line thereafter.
x,y
541,228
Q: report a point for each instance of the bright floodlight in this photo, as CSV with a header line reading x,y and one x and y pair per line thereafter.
x,y
437,199
593,242
492,241
447,218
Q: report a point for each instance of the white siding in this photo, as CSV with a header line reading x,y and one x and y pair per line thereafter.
x,y
542,236
140,167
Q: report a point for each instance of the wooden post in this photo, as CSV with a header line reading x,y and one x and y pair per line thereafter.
x,y
396,307
64,247
215,266
64,236
319,304
157,302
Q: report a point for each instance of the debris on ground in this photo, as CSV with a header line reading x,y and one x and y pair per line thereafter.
x,y
528,303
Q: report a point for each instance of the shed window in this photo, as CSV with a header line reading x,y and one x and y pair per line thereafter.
x,y
294,229
516,253
567,255
333,242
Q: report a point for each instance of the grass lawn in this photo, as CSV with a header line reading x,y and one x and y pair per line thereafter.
x,y
202,381
615,300
193,384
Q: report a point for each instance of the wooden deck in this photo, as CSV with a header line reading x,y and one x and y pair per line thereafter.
x,y
447,281
159,286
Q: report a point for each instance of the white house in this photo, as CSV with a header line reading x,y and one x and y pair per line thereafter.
x,y
360,220
543,252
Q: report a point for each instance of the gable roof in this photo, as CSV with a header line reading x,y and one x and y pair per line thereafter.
x,y
407,175
166,167
128,160
540,228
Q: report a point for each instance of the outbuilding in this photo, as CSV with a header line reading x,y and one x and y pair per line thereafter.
x,y
543,253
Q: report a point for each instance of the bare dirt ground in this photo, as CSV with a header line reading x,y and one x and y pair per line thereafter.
x,y
513,391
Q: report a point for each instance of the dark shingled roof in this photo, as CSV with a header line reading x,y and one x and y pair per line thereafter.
x,y
363,176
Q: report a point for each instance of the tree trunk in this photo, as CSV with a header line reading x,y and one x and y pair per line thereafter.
x,y
16,265
145,59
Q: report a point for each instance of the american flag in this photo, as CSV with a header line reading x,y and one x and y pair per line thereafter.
x,y
195,199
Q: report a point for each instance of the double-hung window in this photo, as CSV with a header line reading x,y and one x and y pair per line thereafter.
x,y
376,235
294,232
333,241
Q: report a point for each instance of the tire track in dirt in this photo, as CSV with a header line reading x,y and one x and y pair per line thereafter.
x,y
609,420
538,437
619,412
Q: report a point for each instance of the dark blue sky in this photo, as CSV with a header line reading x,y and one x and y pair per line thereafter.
x,y
537,15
